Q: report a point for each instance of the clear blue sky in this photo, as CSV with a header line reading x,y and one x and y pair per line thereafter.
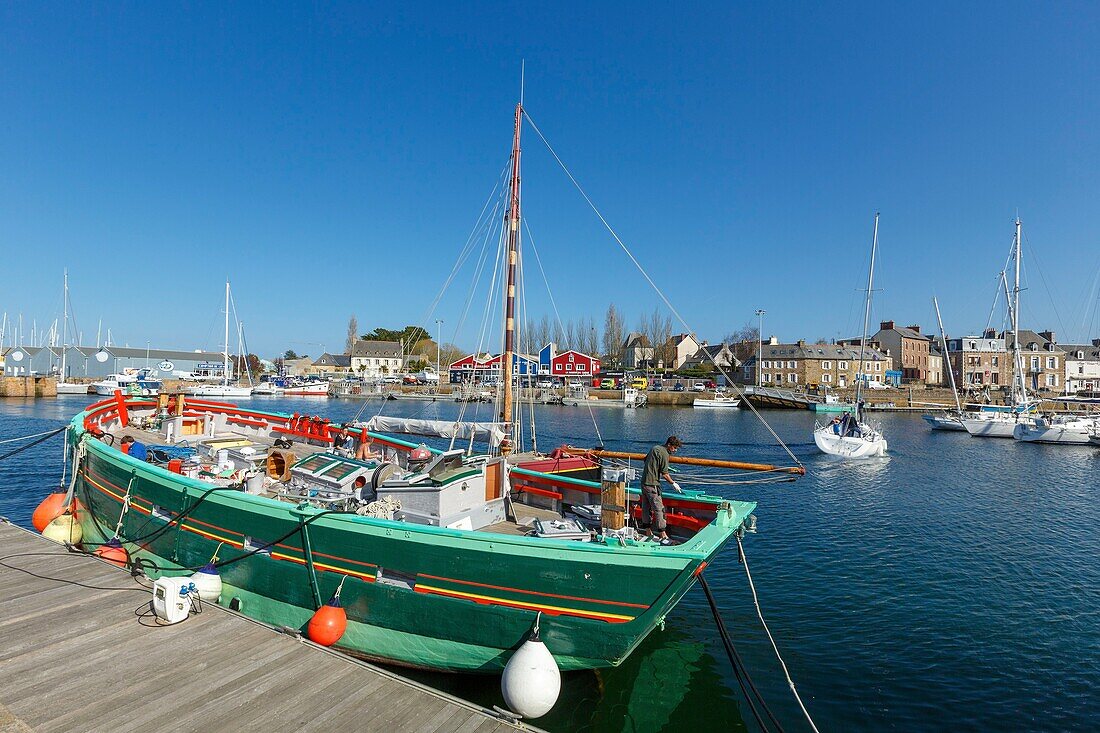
x,y
331,159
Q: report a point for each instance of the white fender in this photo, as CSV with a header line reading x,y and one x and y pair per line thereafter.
x,y
531,681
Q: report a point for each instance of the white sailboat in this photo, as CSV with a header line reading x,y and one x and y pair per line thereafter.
x,y
64,387
849,436
1001,423
718,402
225,389
945,420
1062,429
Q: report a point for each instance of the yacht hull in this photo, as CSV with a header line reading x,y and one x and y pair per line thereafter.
x,y
847,446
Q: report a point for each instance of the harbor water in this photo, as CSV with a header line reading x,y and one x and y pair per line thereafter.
x,y
954,585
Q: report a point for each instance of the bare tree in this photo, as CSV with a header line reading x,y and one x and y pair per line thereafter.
x,y
570,334
743,342
661,324
589,338
353,334
613,335
559,334
543,332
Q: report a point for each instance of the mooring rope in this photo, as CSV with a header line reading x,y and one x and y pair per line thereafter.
x,y
760,615
42,437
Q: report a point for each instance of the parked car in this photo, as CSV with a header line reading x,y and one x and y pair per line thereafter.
x,y
409,379
639,382
546,382
711,384
393,379
607,384
656,387
699,387
679,387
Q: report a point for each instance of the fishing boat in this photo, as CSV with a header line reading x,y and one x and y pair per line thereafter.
x,y
851,436
1001,422
831,403
443,558
129,381
719,401
227,388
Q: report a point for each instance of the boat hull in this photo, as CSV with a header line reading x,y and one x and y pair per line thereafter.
x,y
415,595
944,422
729,404
1061,434
990,428
847,446
70,388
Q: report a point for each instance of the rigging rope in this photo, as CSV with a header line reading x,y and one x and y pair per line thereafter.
x,y
44,438
760,615
744,681
653,284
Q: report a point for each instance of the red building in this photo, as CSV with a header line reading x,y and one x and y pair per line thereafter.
x,y
573,364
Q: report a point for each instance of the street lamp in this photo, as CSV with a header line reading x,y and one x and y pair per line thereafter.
x,y
438,342
759,343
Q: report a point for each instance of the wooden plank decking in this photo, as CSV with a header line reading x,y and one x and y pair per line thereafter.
x,y
75,657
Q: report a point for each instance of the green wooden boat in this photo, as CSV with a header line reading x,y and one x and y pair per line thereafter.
x,y
416,594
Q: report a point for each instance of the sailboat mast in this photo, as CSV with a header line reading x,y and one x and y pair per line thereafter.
x,y
1017,359
866,315
225,353
510,291
65,327
943,339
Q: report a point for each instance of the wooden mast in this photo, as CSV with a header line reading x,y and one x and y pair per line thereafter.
x,y
686,460
510,292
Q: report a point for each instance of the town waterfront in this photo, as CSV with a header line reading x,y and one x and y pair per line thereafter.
x,y
951,586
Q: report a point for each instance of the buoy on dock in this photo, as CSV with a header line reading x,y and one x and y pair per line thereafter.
x,y
330,621
50,509
113,552
63,529
208,582
531,681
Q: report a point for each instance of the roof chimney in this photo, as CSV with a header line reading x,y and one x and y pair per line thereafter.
x,y
989,333
773,341
915,329
801,343
1096,342
1049,336
886,326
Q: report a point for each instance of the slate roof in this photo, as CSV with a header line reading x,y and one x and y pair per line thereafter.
x,y
817,351
363,347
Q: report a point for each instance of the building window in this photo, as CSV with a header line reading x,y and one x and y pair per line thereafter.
x,y
826,365
843,365
826,377
792,378
792,365
995,360
1052,362
1052,380
1035,363
878,366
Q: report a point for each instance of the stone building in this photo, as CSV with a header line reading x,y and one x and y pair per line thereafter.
x,y
373,359
909,349
1082,367
801,365
1043,360
979,361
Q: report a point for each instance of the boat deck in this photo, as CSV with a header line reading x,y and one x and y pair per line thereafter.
x,y
524,515
76,656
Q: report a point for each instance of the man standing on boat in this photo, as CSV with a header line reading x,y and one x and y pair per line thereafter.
x,y
654,469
